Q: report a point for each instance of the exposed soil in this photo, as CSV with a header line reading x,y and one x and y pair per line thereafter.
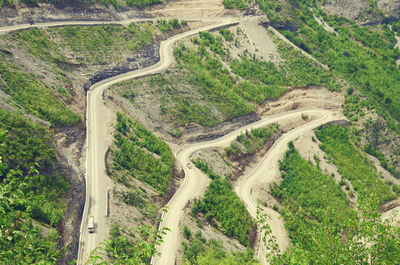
x,y
71,155
127,215
48,13
361,10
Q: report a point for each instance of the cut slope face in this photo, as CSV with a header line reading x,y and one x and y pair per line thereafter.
x,y
189,9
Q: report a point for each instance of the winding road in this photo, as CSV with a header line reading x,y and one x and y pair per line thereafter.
x,y
266,172
95,205
96,172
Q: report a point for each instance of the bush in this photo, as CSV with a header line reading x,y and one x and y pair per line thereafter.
x,y
221,203
186,232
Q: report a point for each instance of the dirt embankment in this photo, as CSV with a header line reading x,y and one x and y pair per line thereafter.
x,y
73,12
70,151
364,11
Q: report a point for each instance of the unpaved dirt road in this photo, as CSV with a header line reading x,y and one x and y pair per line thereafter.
x,y
96,175
267,172
96,172
194,180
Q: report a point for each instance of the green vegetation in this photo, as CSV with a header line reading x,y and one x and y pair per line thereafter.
x,y
352,164
200,251
323,227
92,44
123,248
208,86
30,199
236,4
142,3
203,166
223,208
263,80
140,201
166,25
21,240
226,33
324,211
364,56
34,96
140,154
370,149
250,142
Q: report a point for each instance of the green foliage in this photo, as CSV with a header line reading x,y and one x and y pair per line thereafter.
x,y
182,107
297,71
226,33
370,149
121,248
203,166
364,56
166,25
141,201
201,251
323,228
352,164
186,232
142,3
300,178
142,154
214,82
250,142
224,210
92,44
236,4
101,43
24,145
20,240
35,97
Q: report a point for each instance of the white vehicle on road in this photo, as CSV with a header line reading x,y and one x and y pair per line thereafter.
x,y
91,224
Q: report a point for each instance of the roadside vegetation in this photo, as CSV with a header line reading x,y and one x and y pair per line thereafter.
x,y
251,141
223,209
166,25
32,189
198,250
324,228
122,248
138,153
236,4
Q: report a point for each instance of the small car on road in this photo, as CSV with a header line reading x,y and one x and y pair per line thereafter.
x,y
91,224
